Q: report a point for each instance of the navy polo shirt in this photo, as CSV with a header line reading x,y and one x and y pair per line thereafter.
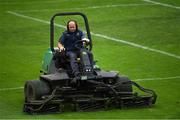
x,y
68,39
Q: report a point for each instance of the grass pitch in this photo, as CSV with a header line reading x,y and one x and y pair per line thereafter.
x,y
24,38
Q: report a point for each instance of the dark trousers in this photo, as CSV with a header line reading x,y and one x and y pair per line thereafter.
x,y
73,61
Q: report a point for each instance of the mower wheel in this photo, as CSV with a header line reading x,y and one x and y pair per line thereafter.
x,y
35,89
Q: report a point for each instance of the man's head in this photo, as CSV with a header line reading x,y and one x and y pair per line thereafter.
x,y
72,26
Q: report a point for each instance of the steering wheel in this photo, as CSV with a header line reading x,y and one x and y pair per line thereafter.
x,y
80,44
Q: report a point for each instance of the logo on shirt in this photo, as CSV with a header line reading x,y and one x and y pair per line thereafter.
x,y
78,34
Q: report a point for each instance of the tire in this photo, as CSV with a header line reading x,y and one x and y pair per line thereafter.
x,y
35,89
125,84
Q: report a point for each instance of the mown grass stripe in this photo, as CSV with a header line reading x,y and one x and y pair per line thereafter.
x,y
102,36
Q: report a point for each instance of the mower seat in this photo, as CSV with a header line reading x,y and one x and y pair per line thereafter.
x,y
62,60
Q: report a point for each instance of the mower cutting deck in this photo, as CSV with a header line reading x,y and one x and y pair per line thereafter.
x,y
58,89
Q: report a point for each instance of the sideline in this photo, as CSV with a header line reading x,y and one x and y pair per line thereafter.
x,y
102,36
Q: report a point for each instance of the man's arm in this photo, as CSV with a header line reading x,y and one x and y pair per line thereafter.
x,y
60,45
83,37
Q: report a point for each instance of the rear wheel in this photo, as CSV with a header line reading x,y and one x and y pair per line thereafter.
x,y
35,89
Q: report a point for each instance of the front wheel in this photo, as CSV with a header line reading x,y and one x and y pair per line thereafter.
x,y
35,89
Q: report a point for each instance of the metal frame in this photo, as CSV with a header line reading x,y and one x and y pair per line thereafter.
x,y
67,14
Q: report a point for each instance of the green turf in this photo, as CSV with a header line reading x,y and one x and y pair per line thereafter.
x,y
23,43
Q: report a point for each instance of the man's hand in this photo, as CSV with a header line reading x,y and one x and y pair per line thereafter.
x,y
61,49
86,39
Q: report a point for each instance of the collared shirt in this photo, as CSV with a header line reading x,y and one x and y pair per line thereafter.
x,y
68,39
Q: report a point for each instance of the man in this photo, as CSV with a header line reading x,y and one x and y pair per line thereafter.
x,y
67,43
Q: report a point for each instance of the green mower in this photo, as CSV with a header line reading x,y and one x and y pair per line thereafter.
x,y
58,89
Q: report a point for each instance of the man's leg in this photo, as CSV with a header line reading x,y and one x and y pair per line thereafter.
x,y
73,62
91,59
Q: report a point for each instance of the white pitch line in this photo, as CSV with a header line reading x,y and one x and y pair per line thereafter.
x,y
137,45
136,80
33,2
14,88
34,19
151,79
79,8
102,36
162,4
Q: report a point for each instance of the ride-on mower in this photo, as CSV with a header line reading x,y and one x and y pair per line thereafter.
x,y
58,89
